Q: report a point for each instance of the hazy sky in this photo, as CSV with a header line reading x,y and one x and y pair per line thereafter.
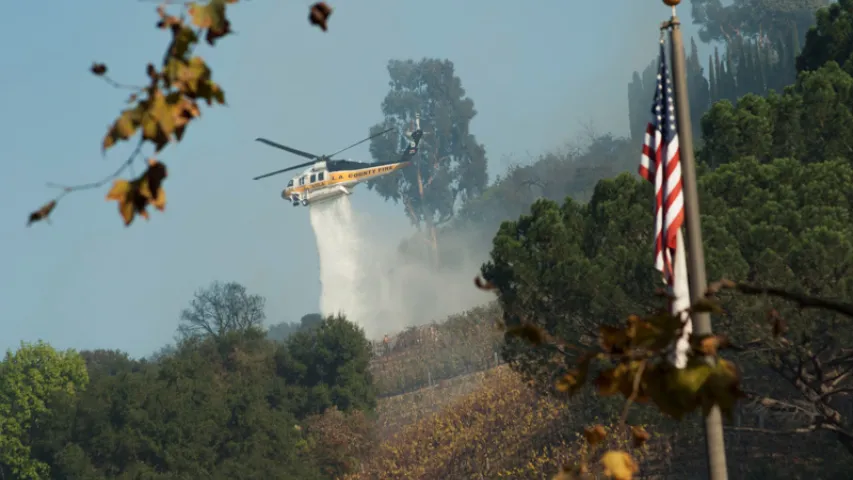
x,y
537,73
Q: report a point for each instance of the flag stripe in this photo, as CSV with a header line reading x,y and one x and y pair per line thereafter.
x,y
660,164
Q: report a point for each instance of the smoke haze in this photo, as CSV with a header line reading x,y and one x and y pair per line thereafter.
x,y
378,285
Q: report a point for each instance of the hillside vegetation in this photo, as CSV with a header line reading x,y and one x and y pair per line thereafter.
x,y
567,245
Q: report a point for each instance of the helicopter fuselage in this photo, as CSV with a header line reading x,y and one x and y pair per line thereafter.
x,y
322,182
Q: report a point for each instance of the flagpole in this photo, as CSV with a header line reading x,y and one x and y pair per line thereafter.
x,y
695,255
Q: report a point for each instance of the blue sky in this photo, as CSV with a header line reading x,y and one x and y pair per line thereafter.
x,y
537,72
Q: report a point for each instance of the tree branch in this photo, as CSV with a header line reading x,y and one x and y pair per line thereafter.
x,y
803,301
769,431
44,211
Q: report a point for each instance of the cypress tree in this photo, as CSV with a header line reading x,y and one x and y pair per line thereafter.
x,y
712,79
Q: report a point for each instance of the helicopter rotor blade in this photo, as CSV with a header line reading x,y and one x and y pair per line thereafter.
x,y
286,148
359,142
301,165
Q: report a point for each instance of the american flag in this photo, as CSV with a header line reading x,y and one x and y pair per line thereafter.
x,y
660,164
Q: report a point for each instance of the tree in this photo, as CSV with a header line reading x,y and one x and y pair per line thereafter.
x,y
641,91
829,40
567,270
331,362
282,331
213,409
451,166
29,379
222,308
752,18
555,268
811,121
640,95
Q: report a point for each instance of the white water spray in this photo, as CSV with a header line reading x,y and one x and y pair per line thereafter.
x,y
338,247
366,278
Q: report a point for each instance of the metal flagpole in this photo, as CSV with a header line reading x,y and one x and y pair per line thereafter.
x,y
695,254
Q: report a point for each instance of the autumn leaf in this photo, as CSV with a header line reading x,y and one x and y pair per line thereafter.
x,y
655,332
706,305
183,37
183,110
211,17
124,127
134,196
166,20
98,69
42,213
620,379
721,388
613,340
572,381
158,121
709,344
319,15
678,392
151,187
122,192
594,435
528,332
619,465
639,436
483,284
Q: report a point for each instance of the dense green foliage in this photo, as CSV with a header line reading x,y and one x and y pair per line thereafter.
x,y
228,404
29,380
776,194
282,331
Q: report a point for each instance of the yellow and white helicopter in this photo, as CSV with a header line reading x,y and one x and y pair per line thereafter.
x,y
327,179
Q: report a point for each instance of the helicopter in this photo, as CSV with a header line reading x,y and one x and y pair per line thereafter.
x,y
326,179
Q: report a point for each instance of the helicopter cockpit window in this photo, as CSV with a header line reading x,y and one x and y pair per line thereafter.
x,y
302,180
290,183
320,176
313,178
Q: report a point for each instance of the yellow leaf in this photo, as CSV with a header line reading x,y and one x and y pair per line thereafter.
x,y
573,380
134,196
656,332
211,17
620,379
722,388
613,340
183,38
707,305
123,128
122,191
639,436
619,465
708,345
594,435
677,391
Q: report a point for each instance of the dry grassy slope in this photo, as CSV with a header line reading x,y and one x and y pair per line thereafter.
x,y
485,425
395,412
